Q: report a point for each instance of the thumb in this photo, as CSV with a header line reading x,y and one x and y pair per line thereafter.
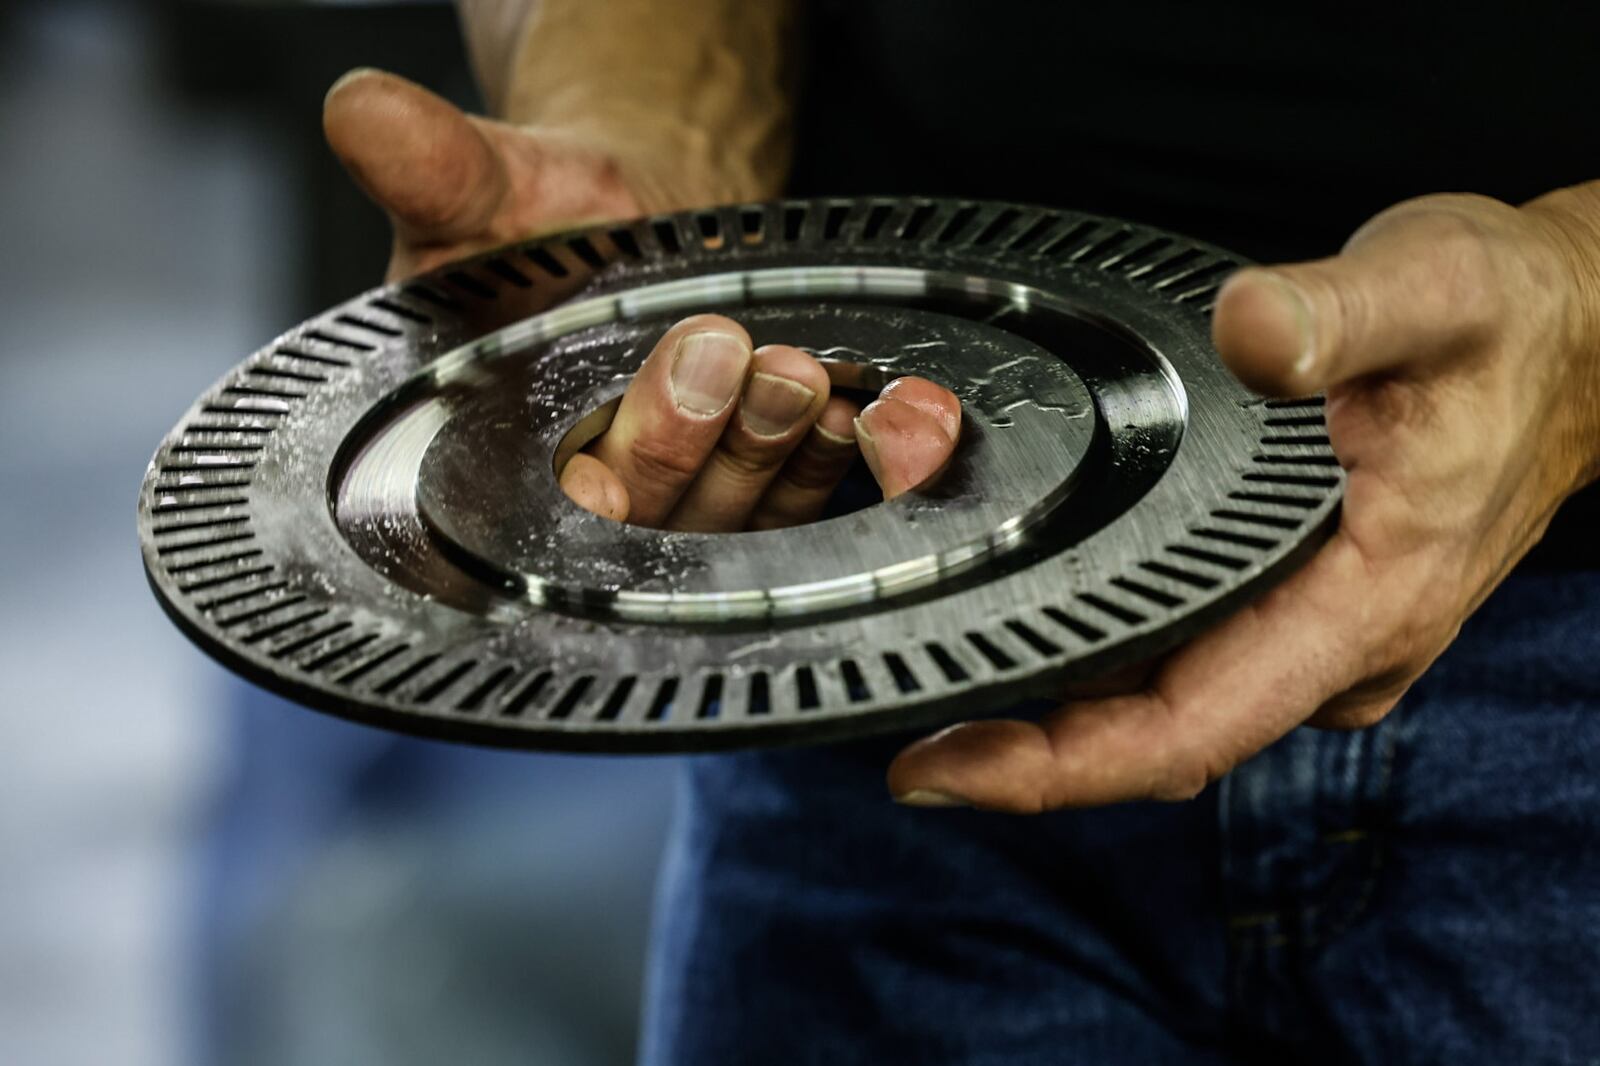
x,y
417,155
1418,282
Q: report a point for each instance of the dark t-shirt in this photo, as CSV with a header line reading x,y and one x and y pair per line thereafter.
x,y
1270,129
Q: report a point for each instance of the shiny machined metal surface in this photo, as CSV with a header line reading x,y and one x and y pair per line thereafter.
x,y
364,515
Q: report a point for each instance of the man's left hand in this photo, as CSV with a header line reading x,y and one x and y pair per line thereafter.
x,y
1456,340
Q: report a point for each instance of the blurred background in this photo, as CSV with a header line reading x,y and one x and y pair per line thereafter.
x,y
190,870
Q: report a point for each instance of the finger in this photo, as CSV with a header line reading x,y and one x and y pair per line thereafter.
x,y
673,413
786,391
905,446
590,485
931,399
417,155
1219,700
802,488
1417,282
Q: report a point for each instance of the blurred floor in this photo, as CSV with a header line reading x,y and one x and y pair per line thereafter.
x,y
437,903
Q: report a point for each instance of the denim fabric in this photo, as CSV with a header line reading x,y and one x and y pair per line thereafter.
x,y
1425,891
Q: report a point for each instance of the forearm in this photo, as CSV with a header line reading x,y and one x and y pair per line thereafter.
x,y
1571,217
492,30
690,97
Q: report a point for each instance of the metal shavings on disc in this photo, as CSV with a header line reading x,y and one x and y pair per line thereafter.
x,y
364,515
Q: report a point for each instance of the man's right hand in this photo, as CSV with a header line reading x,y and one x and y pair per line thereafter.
x,y
454,184
711,436
714,437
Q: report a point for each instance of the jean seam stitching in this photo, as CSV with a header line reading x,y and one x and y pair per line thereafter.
x,y
1267,927
1366,886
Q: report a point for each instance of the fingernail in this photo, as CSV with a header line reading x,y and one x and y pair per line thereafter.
x,y
1300,308
869,447
349,77
772,405
833,438
927,797
708,371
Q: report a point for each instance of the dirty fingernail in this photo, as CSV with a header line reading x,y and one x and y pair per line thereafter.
x,y
927,797
708,371
833,437
772,405
869,447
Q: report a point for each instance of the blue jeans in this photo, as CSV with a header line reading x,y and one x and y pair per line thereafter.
x,y
1425,891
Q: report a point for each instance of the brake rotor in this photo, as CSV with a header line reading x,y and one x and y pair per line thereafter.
x,y
364,515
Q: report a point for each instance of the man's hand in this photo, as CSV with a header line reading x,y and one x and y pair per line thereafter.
x,y
1455,337
713,437
610,111
454,184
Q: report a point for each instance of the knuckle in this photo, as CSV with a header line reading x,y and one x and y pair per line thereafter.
x,y
1444,216
820,463
1352,309
745,463
667,460
811,472
1459,243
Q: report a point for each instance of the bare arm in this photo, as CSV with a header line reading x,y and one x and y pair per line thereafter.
x,y
689,97
492,30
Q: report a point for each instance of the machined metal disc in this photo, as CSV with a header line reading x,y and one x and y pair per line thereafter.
x,y
364,515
